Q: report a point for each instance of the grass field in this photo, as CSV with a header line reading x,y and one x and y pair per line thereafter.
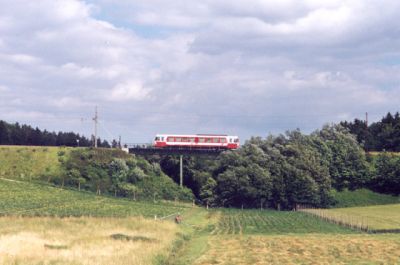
x,y
84,240
30,199
218,236
362,197
30,162
377,217
232,222
268,237
388,153
302,249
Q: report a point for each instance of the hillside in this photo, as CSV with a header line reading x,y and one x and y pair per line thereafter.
x,y
101,170
362,197
30,162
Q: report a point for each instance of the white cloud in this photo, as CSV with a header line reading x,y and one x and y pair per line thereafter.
x,y
67,103
4,88
131,90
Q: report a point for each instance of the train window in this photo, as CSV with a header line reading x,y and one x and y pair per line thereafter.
x,y
157,138
201,140
223,140
216,140
236,140
162,139
230,140
191,139
170,139
208,140
178,139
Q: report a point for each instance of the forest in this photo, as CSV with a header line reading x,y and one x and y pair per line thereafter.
x,y
383,135
16,134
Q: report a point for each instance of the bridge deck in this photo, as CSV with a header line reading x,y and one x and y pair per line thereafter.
x,y
151,150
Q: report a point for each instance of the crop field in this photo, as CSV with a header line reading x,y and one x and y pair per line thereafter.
x,y
30,199
302,249
232,222
269,237
84,240
375,218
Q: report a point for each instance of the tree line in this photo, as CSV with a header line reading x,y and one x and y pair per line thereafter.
x,y
383,135
284,171
16,134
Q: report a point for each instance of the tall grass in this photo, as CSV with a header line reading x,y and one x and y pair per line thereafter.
x,y
84,240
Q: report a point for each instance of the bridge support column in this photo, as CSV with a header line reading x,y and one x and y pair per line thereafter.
x,y
181,170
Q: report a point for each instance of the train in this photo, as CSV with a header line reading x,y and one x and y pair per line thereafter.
x,y
214,141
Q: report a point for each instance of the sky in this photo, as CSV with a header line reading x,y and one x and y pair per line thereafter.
x,y
237,67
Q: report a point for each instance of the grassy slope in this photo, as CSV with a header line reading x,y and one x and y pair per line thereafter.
x,y
379,153
24,198
29,162
42,163
362,197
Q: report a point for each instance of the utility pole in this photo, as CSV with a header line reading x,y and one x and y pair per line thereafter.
x,y
181,171
95,119
366,132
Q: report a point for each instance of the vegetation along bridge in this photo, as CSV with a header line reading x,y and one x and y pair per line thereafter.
x,y
149,149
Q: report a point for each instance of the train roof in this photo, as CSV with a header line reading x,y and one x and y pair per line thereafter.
x,y
194,135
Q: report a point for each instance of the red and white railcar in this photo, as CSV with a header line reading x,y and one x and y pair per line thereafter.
x,y
197,141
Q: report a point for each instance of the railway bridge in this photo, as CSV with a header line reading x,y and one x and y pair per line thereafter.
x,y
149,149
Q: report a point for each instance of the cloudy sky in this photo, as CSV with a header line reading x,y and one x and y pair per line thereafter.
x,y
243,67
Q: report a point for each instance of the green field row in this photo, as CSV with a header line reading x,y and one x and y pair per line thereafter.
x,y
31,199
272,222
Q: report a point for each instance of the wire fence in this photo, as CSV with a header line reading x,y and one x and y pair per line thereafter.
x,y
354,222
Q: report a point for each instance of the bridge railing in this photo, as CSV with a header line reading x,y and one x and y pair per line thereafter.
x,y
138,145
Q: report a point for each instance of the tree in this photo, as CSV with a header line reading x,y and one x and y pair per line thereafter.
x,y
129,190
348,166
118,171
4,135
386,177
379,136
207,192
98,176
